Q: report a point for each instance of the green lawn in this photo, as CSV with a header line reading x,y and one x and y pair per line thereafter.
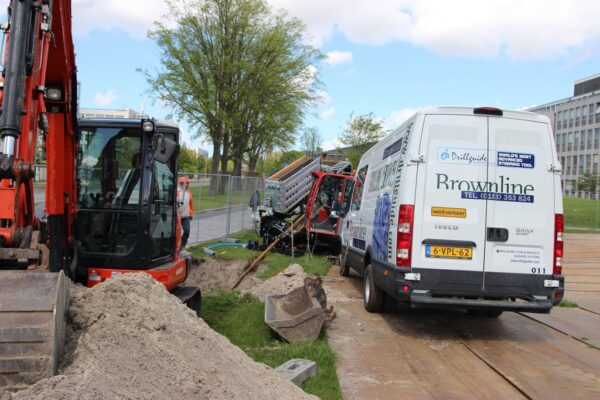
x,y
581,213
204,200
240,318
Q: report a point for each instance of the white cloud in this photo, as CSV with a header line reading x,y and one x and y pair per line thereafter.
x,y
135,17
520,29
323,97
331,144
396,118
531,29
330,112
105,99
338,57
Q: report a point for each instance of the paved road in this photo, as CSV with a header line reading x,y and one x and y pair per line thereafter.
x,y
418,354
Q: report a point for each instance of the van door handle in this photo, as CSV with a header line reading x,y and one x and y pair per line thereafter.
x,y
497,234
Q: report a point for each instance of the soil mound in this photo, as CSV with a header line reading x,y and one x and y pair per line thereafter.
x,y
284,282
130,339
211,275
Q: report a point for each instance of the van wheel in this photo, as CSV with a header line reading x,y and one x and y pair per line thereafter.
x,y
344,267
373,296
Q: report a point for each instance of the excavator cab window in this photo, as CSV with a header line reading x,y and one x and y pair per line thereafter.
x,y
109,172
163,200
330,191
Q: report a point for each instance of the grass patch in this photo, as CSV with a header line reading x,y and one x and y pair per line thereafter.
x,y
276,262
240,319
568,304
582,213
204,200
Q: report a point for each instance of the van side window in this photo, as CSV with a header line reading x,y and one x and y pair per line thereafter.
x,y
359,185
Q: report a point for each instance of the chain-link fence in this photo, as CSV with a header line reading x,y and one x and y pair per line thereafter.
x,y
222,204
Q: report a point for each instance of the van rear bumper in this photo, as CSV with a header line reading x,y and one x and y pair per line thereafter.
x,y
492,290
427,300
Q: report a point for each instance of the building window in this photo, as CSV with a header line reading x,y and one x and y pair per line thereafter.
x,y
568,165
570,141
590,134
577,115
588,163
595,164
558,119
582,141
571,116
584,113
581,164
597,138
576,144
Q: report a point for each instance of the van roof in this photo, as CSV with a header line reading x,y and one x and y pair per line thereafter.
x,y
454,110
526,115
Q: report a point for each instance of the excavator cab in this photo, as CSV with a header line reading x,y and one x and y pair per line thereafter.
x,y
328,202
126,199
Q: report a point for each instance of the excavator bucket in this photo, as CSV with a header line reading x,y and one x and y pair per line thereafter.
x,y
32,326
296,316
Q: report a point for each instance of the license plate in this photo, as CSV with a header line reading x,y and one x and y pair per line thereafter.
x,y
465,253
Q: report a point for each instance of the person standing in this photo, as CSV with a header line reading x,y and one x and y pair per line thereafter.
x,y
184,199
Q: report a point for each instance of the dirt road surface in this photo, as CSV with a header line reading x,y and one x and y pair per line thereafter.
x,y
421,354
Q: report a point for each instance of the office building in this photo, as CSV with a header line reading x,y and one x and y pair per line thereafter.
x,y
576,126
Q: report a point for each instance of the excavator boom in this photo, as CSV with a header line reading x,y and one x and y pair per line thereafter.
x,y
38,100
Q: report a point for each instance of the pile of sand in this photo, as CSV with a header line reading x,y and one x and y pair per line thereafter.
x,y
210,274
284,282
129,338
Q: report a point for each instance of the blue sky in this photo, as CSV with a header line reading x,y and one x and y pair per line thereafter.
x,y
388,57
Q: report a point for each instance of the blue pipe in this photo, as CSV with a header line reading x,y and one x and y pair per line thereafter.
x,y
208,249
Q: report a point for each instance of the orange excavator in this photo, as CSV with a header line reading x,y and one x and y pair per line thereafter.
x,y
110,204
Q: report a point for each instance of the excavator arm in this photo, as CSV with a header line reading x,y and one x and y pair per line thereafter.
x,y
38,102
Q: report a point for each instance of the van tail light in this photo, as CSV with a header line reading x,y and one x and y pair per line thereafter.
x,y
404,235
559,229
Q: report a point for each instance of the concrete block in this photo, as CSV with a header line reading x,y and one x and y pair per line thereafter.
x,y
297,370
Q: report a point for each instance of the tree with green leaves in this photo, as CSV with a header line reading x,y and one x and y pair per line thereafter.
x,y
311,141
189,161
238,71
588,182
360,134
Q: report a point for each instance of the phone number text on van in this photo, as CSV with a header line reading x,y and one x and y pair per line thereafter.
x,y
520,198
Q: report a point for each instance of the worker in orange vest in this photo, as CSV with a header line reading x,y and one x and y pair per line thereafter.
x,y
184,199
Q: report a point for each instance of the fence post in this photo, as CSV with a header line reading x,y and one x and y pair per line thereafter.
x,y
228,206
243,199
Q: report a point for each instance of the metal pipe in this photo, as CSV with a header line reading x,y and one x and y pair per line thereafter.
x,y
8,145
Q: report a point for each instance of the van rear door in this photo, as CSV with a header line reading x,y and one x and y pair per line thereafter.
x,y
520,215
449,231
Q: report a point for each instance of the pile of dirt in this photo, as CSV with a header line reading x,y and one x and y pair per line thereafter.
x,y
210,274
129,338
282,283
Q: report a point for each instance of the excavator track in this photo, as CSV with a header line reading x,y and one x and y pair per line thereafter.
x,y
32,325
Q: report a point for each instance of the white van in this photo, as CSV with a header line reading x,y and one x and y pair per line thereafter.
x,y
461,208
